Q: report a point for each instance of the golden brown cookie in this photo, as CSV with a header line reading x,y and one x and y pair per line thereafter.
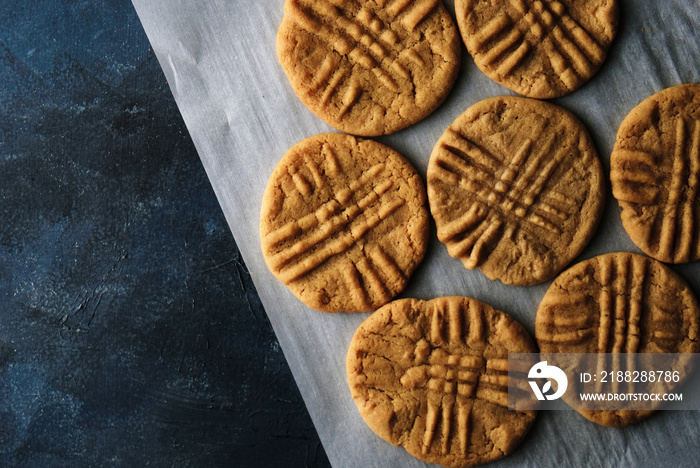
x,y
369,67
516,189
655,166
618,303
343,222
432,376
542,48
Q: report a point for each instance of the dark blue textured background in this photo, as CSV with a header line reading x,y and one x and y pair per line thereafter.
x,y
130,331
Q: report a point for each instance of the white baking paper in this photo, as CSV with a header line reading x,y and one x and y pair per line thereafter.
x,y
220,61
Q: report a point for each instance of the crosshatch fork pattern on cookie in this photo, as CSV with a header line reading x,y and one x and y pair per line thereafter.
x,y
334,227
620,312
367,40
344,222
670,194
500,191
369,68
538,38
571,50
447,371
615,308
516,188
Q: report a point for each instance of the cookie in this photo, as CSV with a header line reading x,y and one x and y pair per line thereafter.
x,y
541,49
655,166
516,189
369,67
343,222
618,303
432,376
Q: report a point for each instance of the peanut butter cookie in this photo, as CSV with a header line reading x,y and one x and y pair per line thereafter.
x,y
516,189
618,303
538,48
432,376
343,222
369,67
655,166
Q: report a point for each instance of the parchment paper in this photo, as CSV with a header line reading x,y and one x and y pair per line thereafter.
x,y
220,61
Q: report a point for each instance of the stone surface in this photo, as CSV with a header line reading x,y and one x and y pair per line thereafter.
x,y
130,330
